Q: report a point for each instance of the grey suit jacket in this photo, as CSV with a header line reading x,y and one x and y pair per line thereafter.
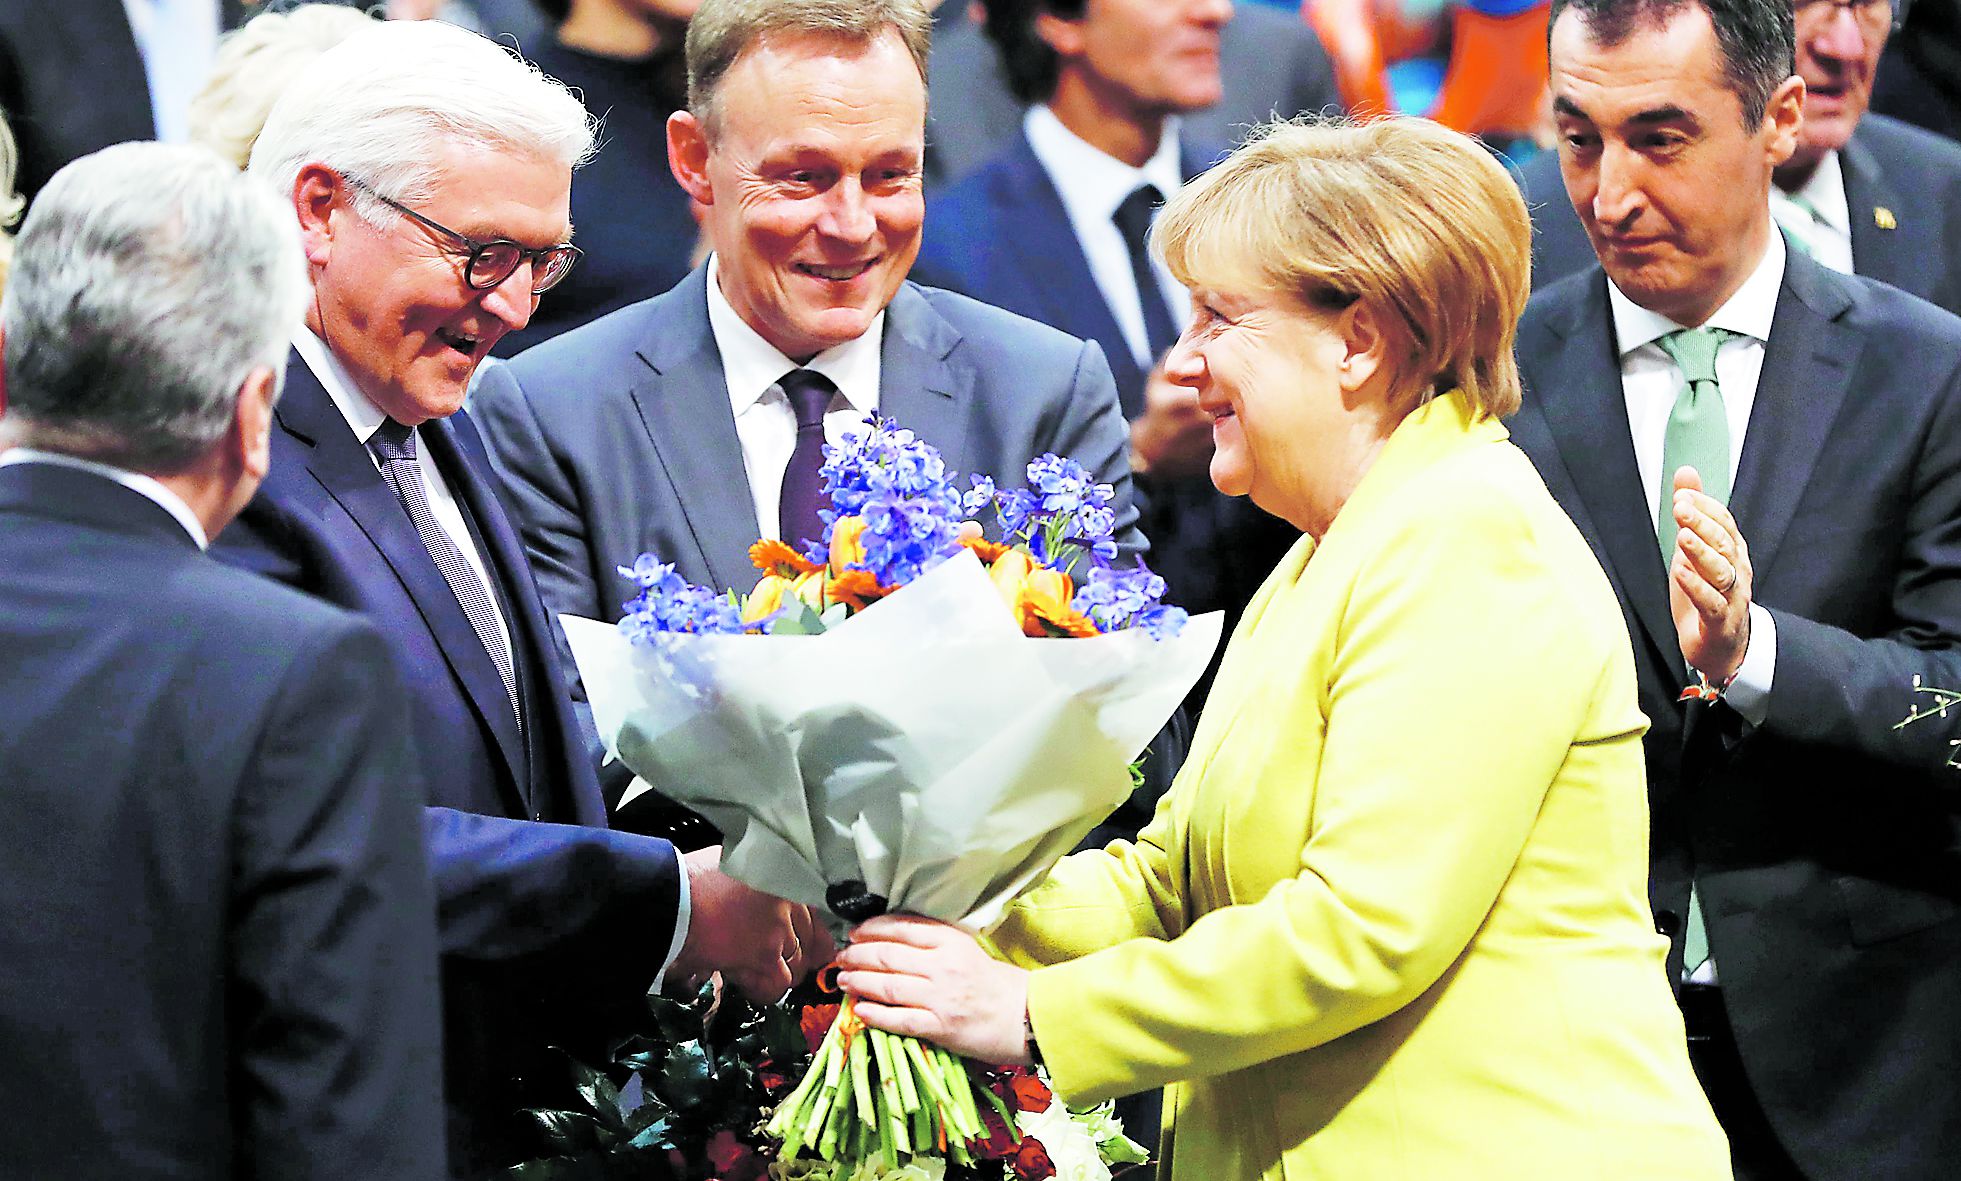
x,y
617,438
1902,186
1269,61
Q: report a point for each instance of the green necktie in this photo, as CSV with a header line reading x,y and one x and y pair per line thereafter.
x,y
1800,233
1697,436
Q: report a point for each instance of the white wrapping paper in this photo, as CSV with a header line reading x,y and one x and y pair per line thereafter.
x,y
924,746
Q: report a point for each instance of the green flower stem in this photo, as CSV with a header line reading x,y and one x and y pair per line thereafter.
x,y
962,1085
902,1067
834,1125
1001,1109
935,1086
861,1078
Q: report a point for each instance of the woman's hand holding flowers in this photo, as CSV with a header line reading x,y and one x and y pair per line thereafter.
x,y
932,980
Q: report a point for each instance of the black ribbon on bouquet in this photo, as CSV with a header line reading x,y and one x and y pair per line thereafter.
x,y
853,902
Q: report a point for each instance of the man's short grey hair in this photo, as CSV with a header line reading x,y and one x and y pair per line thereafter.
x,y
723,30
148,284
381,107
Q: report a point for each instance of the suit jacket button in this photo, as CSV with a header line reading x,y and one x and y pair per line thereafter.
x,y
1667,922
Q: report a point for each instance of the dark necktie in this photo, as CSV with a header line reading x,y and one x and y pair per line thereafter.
x,y
1133,219
810,396
394,447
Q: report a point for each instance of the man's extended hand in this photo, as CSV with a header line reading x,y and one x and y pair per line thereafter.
x,y
760,943
1708,582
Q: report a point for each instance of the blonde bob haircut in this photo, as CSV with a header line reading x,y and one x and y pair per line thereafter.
x,y
1401,214
254,63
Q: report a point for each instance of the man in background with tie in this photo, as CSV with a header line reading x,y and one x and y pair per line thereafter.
x,y
1862,194
430,173
1057,229
692,423
1766,456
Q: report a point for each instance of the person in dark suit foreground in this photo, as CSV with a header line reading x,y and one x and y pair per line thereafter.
x,y
218,937
1767,457
429,171
1862,194
690,424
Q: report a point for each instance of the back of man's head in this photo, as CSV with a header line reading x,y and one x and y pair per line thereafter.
x,y
1756,38
382,105
722,30
149,282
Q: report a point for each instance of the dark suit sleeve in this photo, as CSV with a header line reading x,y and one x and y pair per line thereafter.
x,y
336,1019
1092,430
1837,689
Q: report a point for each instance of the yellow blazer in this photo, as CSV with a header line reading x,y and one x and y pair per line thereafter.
x,y
1391,922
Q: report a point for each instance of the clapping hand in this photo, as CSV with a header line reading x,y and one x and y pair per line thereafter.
x,y
1172,437
760,943
931,980
1708,582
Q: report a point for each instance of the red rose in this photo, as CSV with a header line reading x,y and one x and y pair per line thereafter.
x,y
1031,1094
816,1021
771,1078
1032,1161
732,1160
1000,1142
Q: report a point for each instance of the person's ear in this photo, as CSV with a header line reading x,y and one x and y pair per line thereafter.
x,y
1784,119
1068,37
1365,342
251,433
318,191
687,156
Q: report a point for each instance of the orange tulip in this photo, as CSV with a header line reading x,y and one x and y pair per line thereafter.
x,y
766,599
847,544
1008,572
809,587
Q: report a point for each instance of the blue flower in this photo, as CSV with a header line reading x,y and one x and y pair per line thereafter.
x,y
1063,484
1016,508
669,603
1115,599
978,497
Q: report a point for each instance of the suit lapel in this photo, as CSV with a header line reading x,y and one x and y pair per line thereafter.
x,y
683,401
1586,408
1807,373
342,467
1879,248
916,386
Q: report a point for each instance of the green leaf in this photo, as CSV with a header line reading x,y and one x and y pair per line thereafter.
x,y
571,1131
799,621
1122,1150
686,1080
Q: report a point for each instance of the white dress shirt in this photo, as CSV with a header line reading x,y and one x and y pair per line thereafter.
x,y
179,42
1650,382
1092,184
765,422
1826,227
364,418
136,482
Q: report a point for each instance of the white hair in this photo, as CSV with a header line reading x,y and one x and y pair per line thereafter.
x,y
382,105
254,64
148,284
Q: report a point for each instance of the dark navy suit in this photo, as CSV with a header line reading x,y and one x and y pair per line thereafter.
x,y
1003,236
217,950
1902,187
552,927
1825,844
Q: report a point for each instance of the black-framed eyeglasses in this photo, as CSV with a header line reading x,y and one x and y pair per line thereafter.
x,y
490,263
1873,13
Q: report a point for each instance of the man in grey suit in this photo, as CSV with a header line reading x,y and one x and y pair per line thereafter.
x,y
1862,194
1766,456
690,424
1271,63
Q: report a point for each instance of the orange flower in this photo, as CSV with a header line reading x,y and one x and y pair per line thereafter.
x,y
1043,606
778,557
1009,570
766,599
859,588
987,551
847,544
809,587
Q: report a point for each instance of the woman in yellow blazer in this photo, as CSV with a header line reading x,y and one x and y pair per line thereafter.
x,y
1391,922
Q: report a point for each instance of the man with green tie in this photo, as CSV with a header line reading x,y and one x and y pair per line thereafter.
x,y
1766,456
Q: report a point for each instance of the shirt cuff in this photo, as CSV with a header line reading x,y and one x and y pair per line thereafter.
x,y
1749,693
681,913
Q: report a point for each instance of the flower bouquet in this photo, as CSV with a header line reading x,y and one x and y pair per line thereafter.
x,y
888,721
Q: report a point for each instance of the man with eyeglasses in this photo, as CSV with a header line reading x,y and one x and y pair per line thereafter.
x,y
1863,194
430,175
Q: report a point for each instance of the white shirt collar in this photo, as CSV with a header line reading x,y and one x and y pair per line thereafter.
x,y
752,365
1749,312
136,482
1824,191
1091,182
363,417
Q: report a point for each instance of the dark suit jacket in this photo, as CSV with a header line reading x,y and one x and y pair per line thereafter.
x,y
219,952
1890,169
1268,62
72,81
552,927
1003,236
1825,843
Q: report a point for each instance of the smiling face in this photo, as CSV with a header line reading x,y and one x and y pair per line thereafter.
x,y
1672,187
390,299
1157,57
811,182
1838,54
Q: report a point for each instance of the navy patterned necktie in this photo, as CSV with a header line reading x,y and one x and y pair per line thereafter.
x,y
810,394
393,446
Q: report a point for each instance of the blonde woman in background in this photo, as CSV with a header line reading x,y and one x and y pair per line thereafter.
x,y
254,63
1391,921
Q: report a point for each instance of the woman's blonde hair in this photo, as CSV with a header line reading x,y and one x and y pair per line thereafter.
x,y
1401,214
254,64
